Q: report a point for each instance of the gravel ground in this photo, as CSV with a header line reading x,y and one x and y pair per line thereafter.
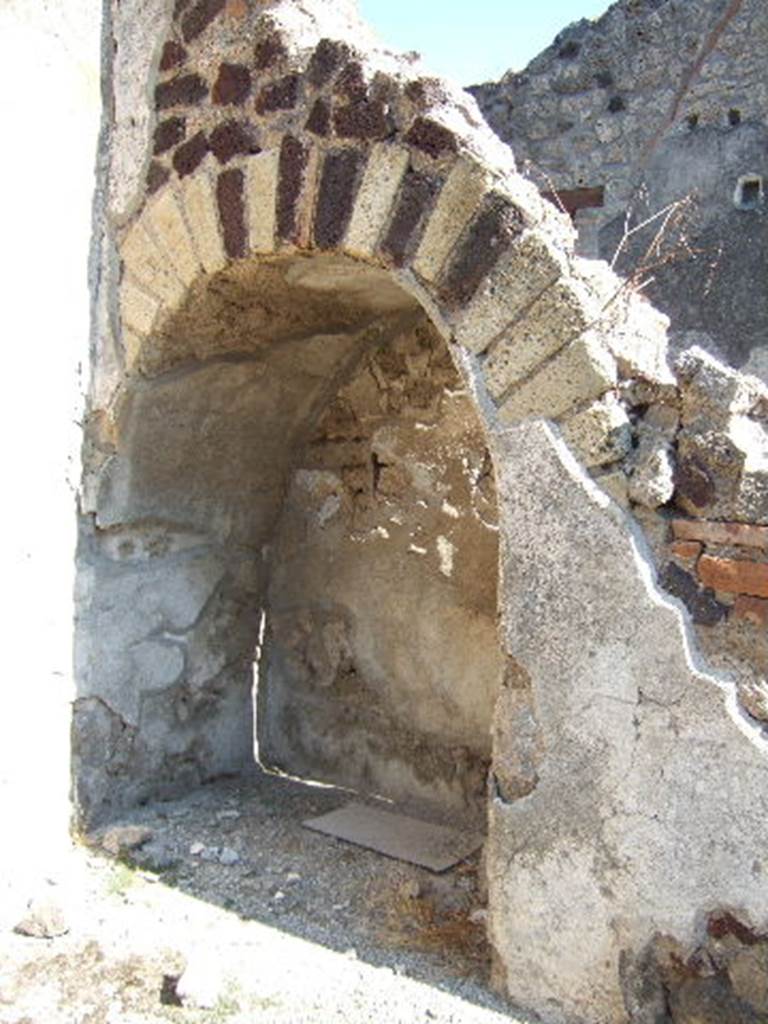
x,y
222,908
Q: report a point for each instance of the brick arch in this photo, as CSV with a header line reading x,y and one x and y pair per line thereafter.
x,y
273,143
313,150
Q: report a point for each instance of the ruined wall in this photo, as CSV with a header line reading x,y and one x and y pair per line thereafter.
x,y
653,103
286,207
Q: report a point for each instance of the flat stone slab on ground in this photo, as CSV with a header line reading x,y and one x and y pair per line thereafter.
x,y
435,847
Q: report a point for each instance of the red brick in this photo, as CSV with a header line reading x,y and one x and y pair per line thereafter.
x,y
686,549
739,534
734,576
232,85
229,194
751,609
199,18
173,55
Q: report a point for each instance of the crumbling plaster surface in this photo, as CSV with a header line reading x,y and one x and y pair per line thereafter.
x,y
383,589
656,102
650,805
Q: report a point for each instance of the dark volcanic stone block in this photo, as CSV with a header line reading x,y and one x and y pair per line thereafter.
x,y
173,55
351,82
280,95
694,482
362,119
488,236
415,200
336,197
430,137
292,168
319,120
200,17
233,138
229,195
157,175
232,85
701,603
189,155
425,92
269,51
169,133
187,90
329,55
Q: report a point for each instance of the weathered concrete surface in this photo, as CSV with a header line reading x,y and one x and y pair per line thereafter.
x,y
650,805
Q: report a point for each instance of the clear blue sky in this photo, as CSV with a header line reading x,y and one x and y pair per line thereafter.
x,y
473,41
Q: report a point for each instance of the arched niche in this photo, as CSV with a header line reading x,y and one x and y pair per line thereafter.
x,y
232,337
296,447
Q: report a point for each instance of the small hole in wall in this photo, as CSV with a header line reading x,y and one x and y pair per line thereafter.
x,y
692,121
734,116
569,50
749,192
616,104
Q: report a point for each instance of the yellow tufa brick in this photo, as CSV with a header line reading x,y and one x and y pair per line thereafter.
x,y
558,316
149,266
164,220
460,197
198,200
139,309
530,267
132,345
386,166
261,178
583,370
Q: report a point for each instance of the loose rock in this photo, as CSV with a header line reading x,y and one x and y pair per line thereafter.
x,y
45,920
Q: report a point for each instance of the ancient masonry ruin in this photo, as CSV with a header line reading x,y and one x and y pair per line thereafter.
x,y
659,102
365,437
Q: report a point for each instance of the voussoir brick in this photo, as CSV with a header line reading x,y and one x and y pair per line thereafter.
x,y
261,175
165,221
149,267
138,308
375,198
527,269
558,316
582,371
464,190
198,199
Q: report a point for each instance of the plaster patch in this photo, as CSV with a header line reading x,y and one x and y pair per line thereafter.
x,y
329,508
446,551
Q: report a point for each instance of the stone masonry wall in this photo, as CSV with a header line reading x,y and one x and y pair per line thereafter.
x,y
655,103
